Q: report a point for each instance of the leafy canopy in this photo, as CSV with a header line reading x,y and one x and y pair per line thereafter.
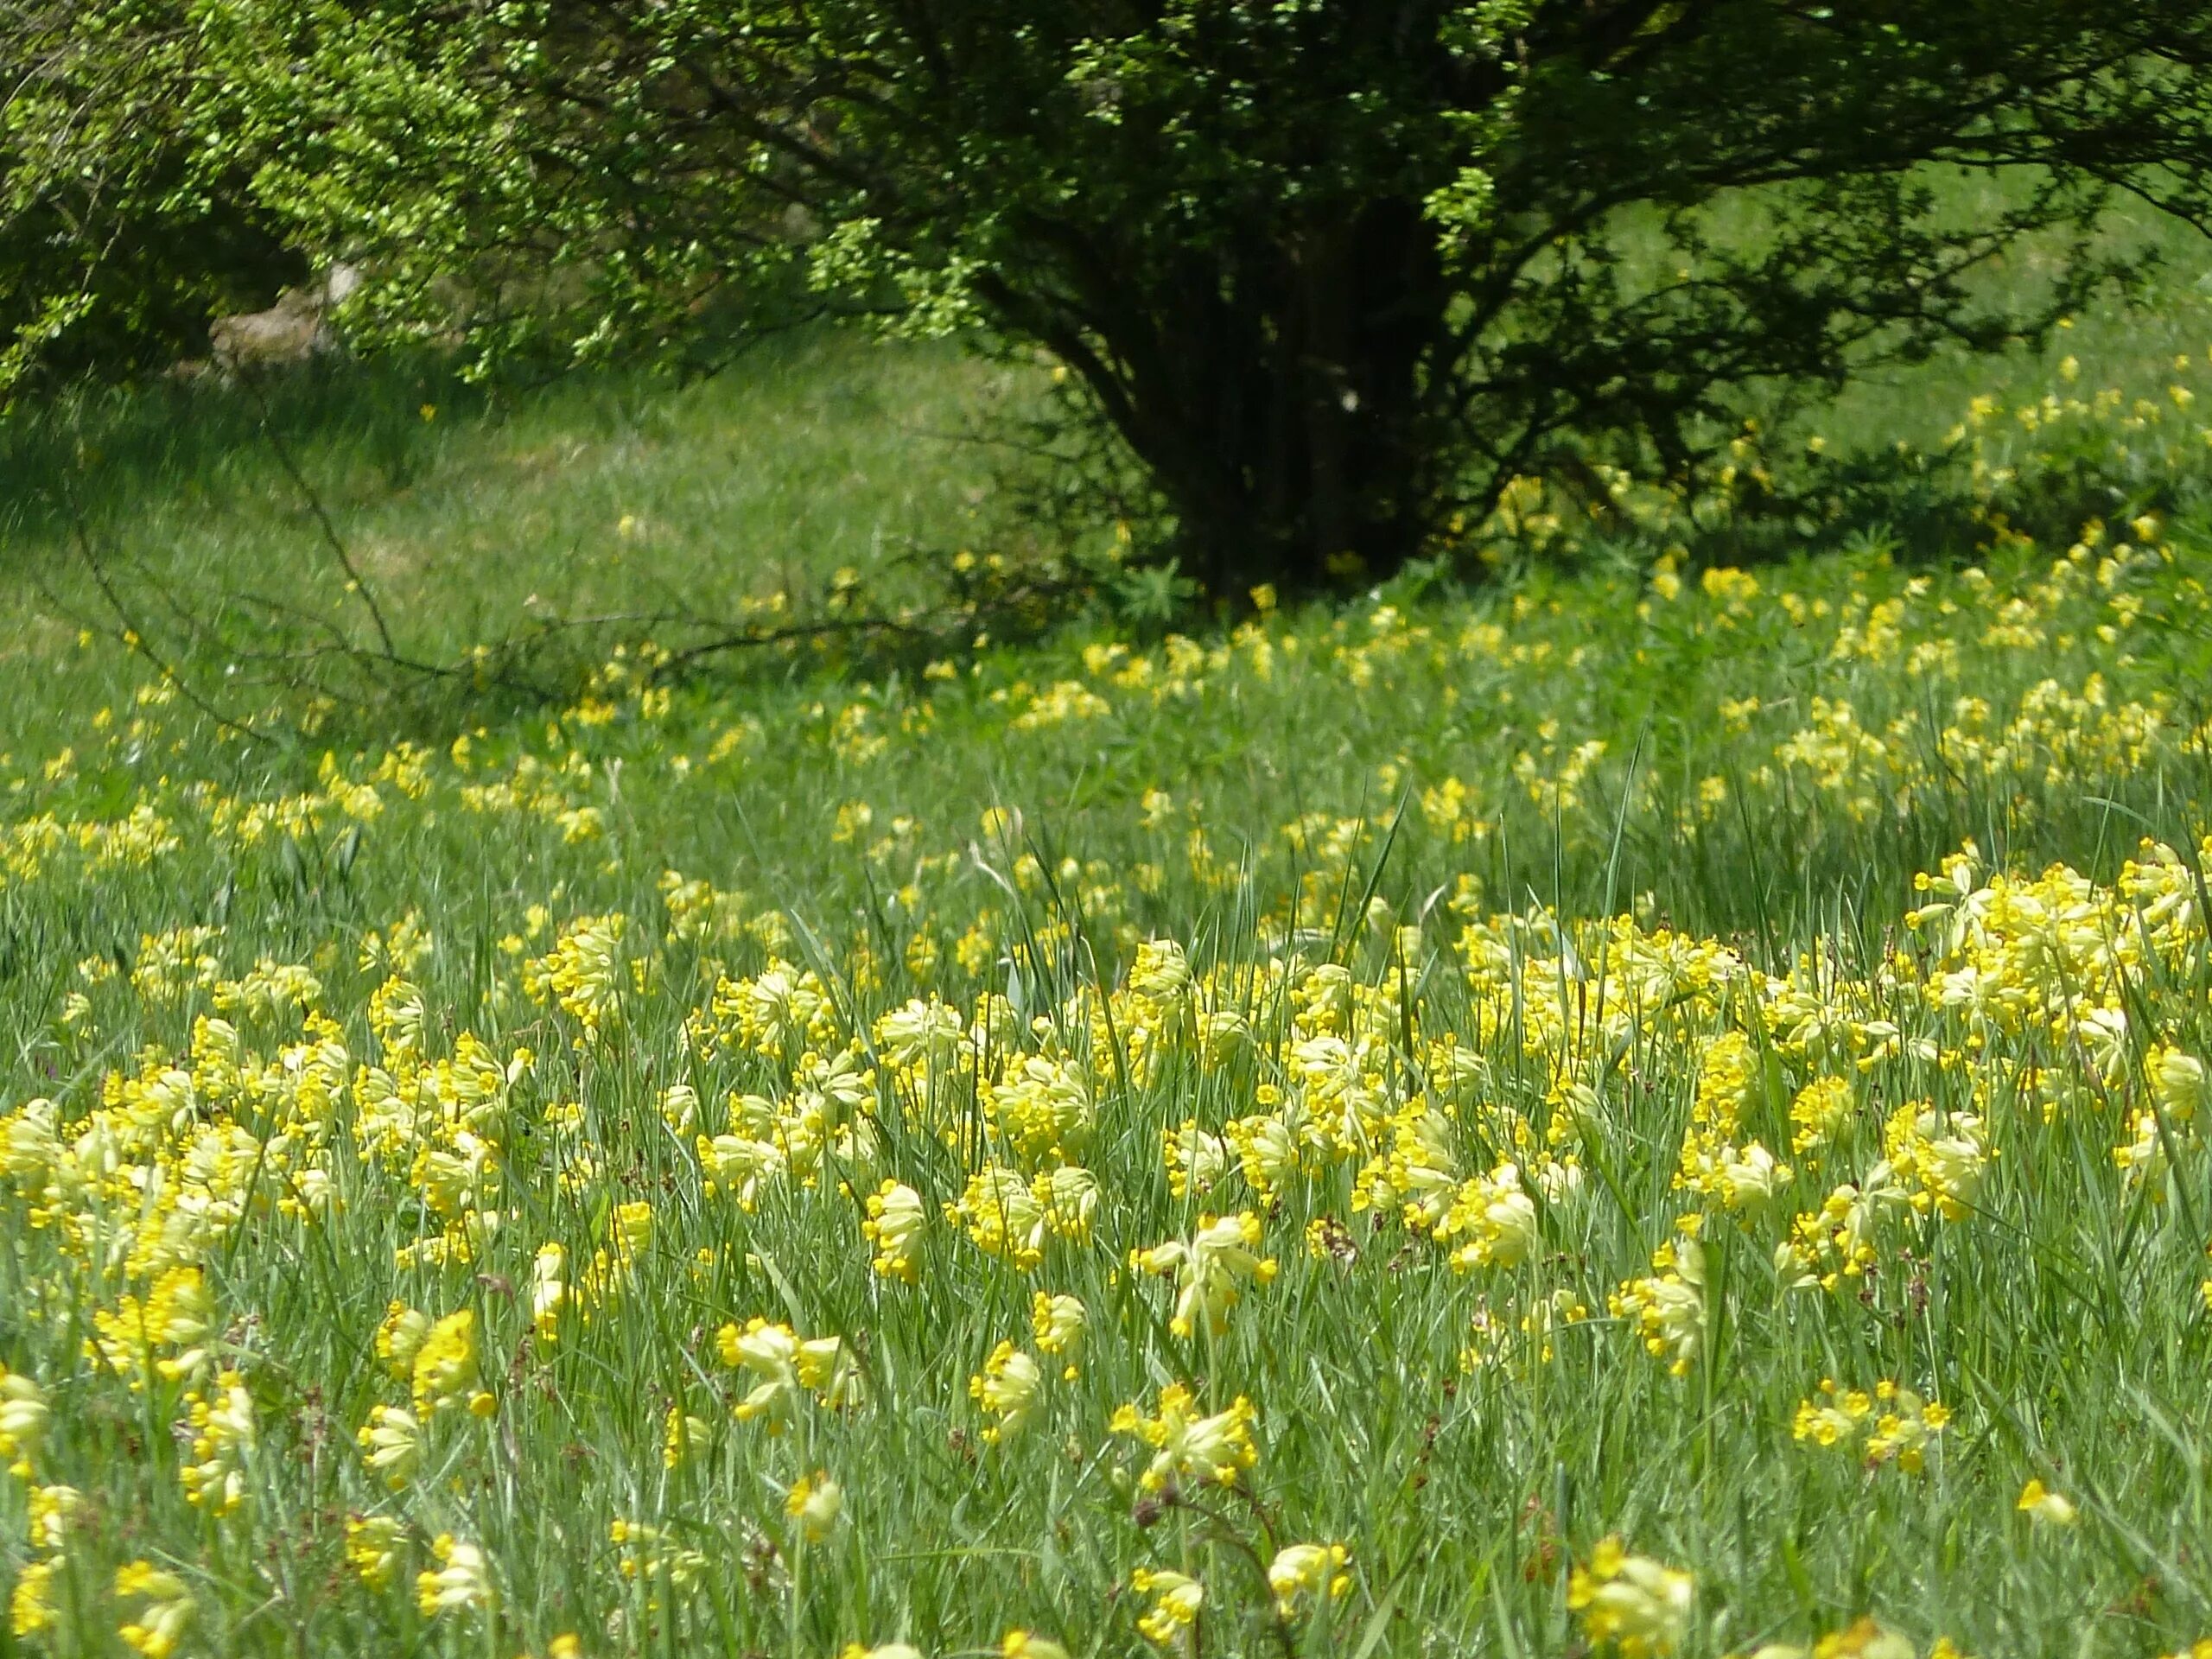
x,y
1332,272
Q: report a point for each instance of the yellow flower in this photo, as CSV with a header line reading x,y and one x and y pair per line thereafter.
x,y
223,1433
178,1314
1210,1270
1668,1309
1007,1387
1067,1197
1161,973
167,1611
1496,1218
461,1582
683,1435
548,1290
787,1367
31,1606
24,1418
815,1502
1632,1601
1839,1419
1195,1160
1906,1430
1176,1598
392,1442
1821,1110
1057,1322
647,1554
53,1513
885,1650
2047,1508
633,1229
2177,1082
444,1371
1306,1570
372,1544
1001,1214
896,1219
1863,1639
1024,1644
770,1353
1216,1449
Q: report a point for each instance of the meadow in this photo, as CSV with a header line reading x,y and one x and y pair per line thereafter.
x,y
1649,1104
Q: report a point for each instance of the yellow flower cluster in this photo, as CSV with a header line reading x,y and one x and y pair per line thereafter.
x,y
1902,1433
615,1183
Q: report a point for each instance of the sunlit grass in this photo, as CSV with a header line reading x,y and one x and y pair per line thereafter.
x,y
1517,1012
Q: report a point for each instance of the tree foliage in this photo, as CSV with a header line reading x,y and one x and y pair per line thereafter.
x,y
126,218
1333,272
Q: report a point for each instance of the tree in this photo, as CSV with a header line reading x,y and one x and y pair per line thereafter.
x,y
122,225
1333,270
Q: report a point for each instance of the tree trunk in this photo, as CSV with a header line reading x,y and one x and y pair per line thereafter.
x,y
1280,403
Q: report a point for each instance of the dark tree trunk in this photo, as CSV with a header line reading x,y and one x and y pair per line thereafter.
x,y
1279,398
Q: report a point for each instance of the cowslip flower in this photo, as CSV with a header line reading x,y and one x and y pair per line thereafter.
x,y
1161,973
224,1432
179,1313
1748,1177
1001,1214
161,1624
461,1583
1667,1308
1838,1416
1195,1159
1495,1215
31,1606
1210,1270
391,1444
444,1373
2045,1507
1637,1603
815,1502
2177,1082
922,1035
1821,1111
1902,1434
1176,1600
647,1553
23,1419
54,1512
1862,1639
1067,1199
1216,1449
682,1434
1906,1430
1028,1644
786,1367
1057,1322
883,1651
400,1338
1302,1570
1007,1387
372,1544
896,1220
549,1289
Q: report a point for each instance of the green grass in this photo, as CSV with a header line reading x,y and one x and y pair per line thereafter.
x,y
1418,810
473,516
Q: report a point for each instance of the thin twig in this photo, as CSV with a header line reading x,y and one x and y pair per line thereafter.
x,y
330,536
134,639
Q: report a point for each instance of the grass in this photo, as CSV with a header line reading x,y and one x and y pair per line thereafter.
x,y
601,1024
